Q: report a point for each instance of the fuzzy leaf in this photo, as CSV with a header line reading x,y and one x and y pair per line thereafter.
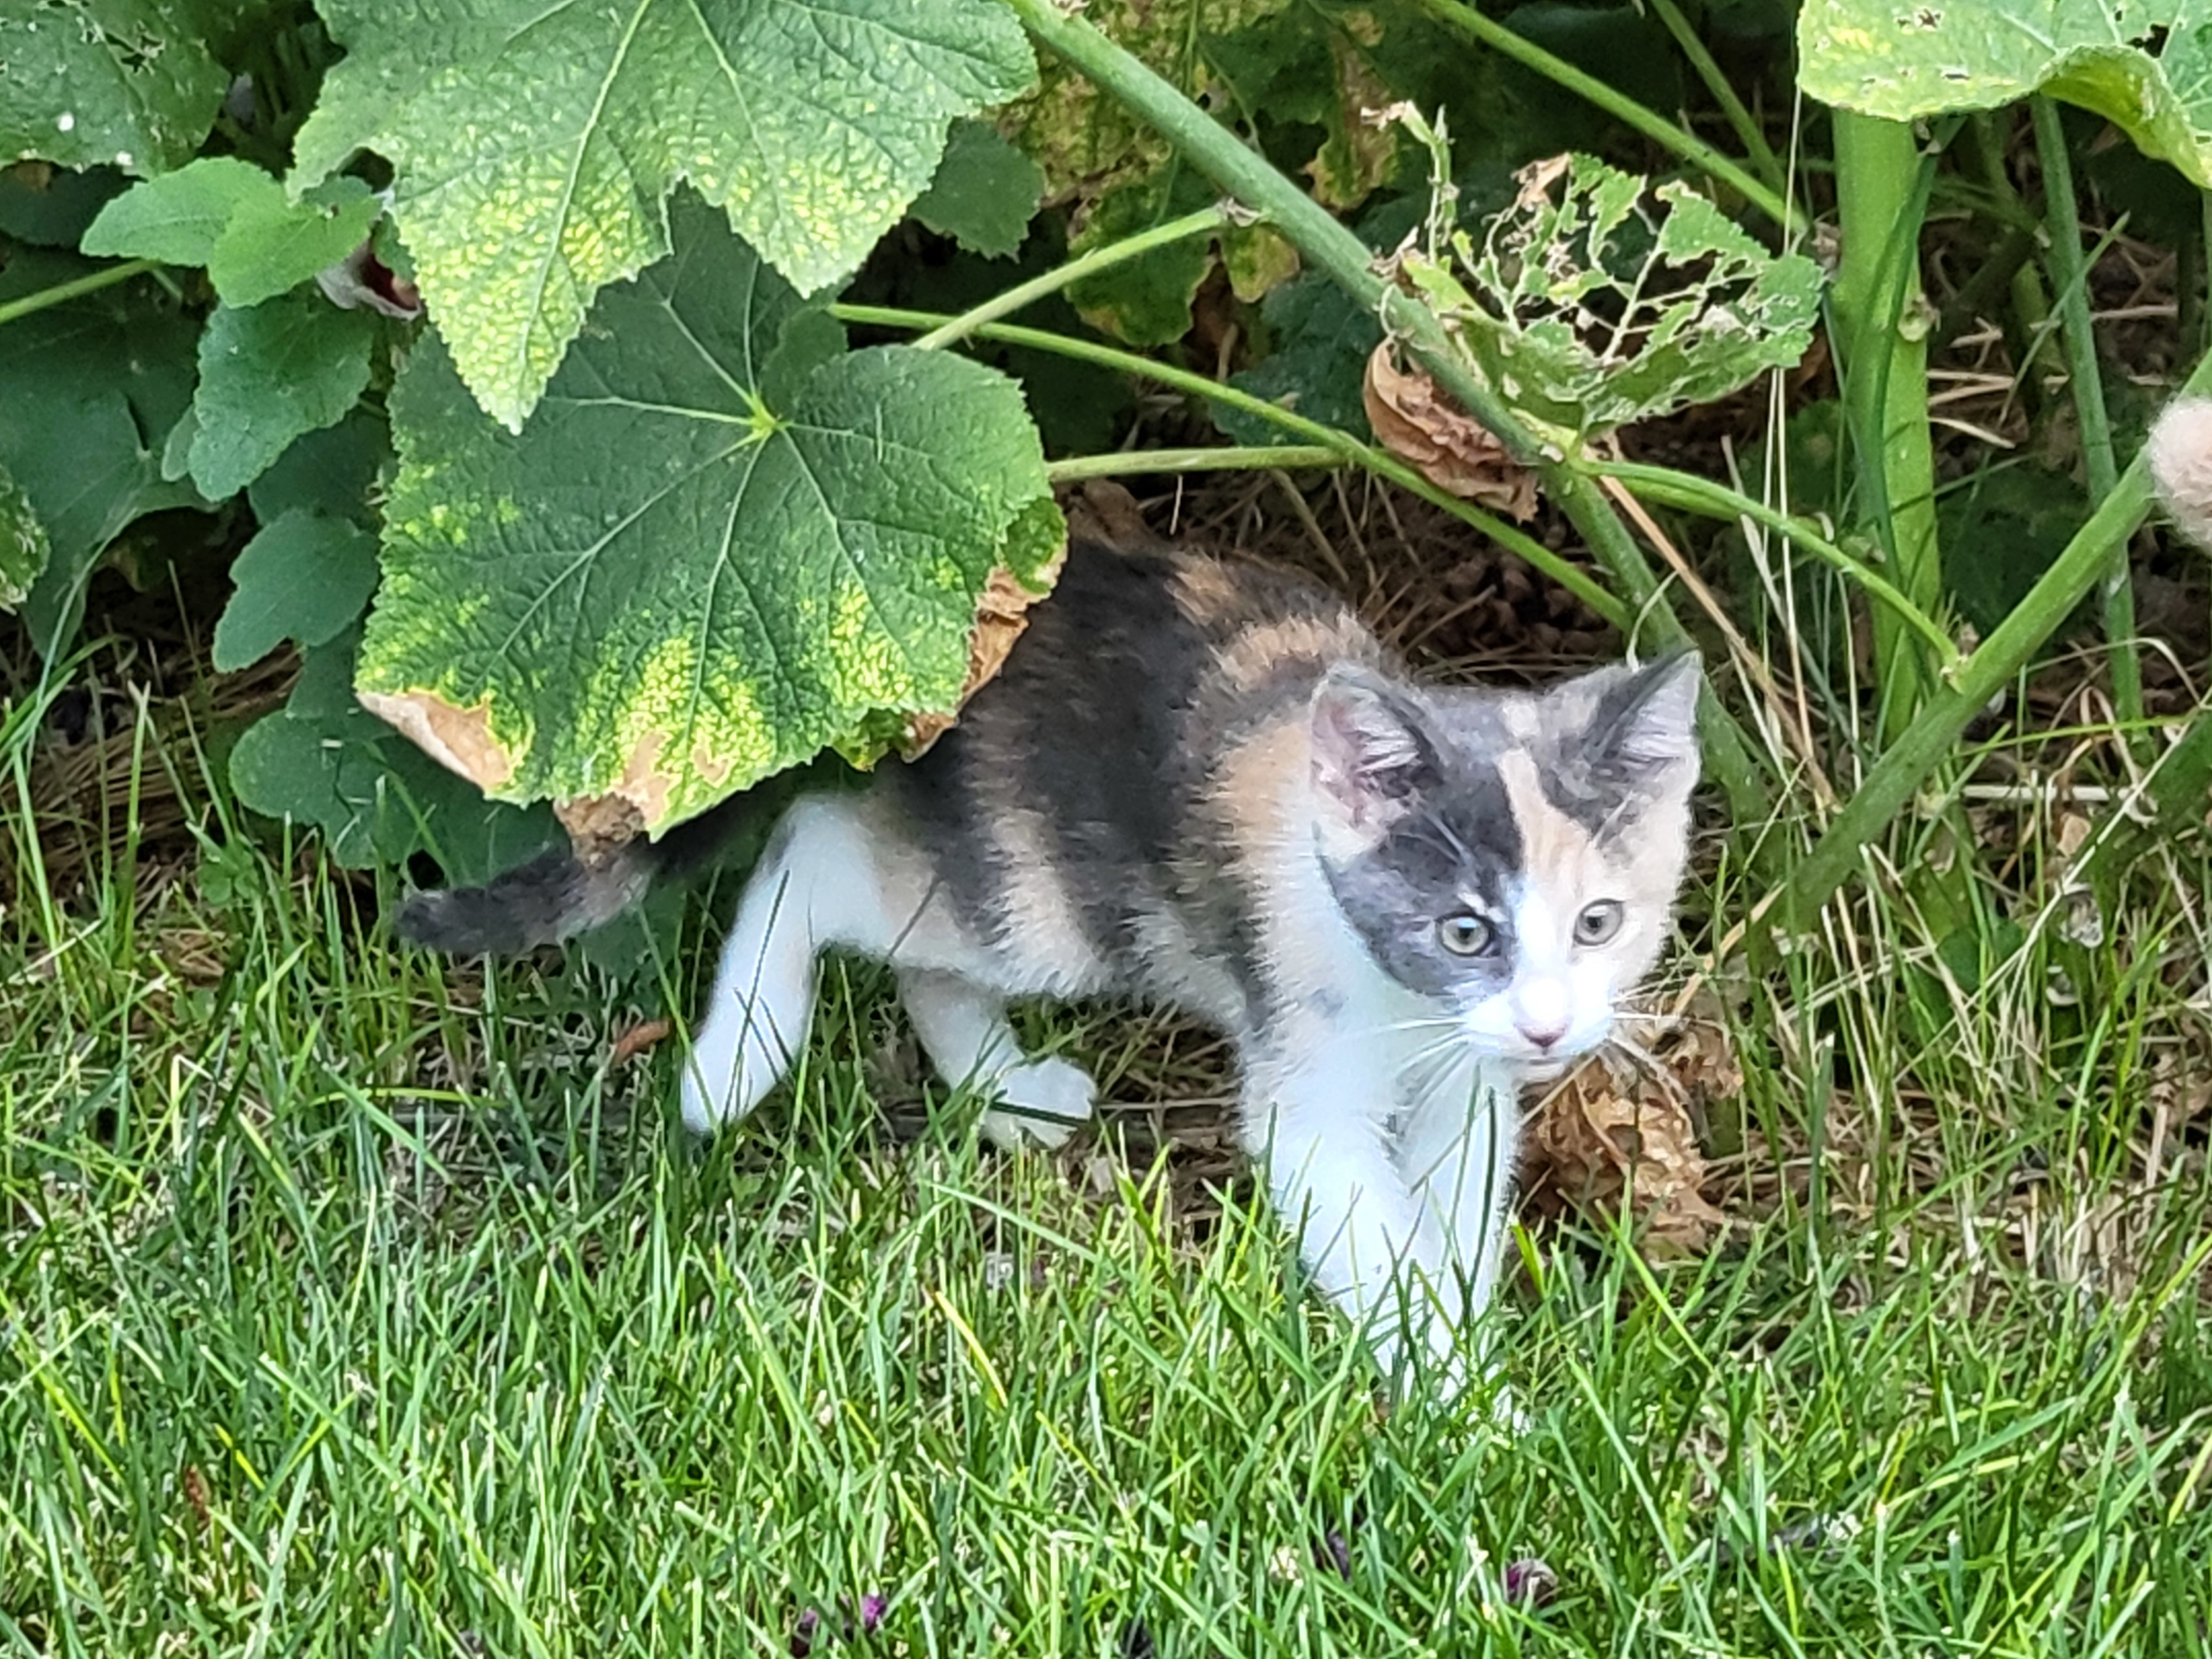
x,y
119,83
269,246
269,373
23,546
719,546
535,145
1904,62
985,192
179,217
87,389
304,577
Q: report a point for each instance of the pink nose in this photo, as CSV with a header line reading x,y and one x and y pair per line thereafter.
x,y
1543,1036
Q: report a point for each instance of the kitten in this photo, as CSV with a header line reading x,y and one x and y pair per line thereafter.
x,y
1205,785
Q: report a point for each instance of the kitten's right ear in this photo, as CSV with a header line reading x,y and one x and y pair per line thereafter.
x,y
1369,756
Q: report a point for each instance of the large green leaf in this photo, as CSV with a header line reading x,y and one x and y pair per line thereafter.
x,y
720,543
535,144
1907,61
87,391
124,83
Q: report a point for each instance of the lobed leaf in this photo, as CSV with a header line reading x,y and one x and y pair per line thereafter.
x,y
2147,69
125,84
535,145
720,545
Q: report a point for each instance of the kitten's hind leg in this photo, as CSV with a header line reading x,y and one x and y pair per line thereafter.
x,y
962,1027
816,884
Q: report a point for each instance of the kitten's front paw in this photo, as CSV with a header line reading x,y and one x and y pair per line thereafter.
x,y
1045,1103
725,1077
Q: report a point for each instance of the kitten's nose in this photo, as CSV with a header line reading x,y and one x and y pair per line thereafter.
x,y
1543,1036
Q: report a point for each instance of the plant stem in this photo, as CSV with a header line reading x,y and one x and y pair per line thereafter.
x,y
1882,324
1375,459
1223,458
2069,276
1074,271
1332,249
1717,84
62,293
1717,500
1499,39
1917,752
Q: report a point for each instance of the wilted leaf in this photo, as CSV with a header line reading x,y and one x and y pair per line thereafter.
x,y
985,193
323,761
269,373
1903,61
119,83
87,389
1414,419
720,544
535,145
304,577
23,546
179,217
1616,1133
1593,301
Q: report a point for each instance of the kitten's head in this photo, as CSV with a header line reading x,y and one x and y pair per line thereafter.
x,y
1514,858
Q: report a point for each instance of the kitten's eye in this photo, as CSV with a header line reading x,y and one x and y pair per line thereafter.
x,y
1464,935
1598,922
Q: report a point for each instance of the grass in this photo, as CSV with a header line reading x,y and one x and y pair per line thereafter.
x,y
349,1304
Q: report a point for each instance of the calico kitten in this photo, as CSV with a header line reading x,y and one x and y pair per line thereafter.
x,y
1205,785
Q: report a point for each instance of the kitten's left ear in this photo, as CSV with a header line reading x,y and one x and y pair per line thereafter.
x,y
1369,756
1646,723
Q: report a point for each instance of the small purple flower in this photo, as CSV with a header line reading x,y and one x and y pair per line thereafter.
x,y
1334,1552
1530,1583
870,1609
872,1613
802,1637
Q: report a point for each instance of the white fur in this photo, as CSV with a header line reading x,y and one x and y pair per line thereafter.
x,y
829,880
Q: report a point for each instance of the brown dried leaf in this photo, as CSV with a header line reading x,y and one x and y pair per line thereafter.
x,y
1415,420
1001,614
1615,1133
638,1040
597,824
459,739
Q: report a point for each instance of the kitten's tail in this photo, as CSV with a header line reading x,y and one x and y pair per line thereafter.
x,y
2180,447
557,894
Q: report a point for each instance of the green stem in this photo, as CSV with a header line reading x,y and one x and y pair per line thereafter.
x,y
1623,108
1327,246
1377,460
1222,458
62,293
1980,677
1717,84
1880,194
2069,275
1085,264
1715,501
